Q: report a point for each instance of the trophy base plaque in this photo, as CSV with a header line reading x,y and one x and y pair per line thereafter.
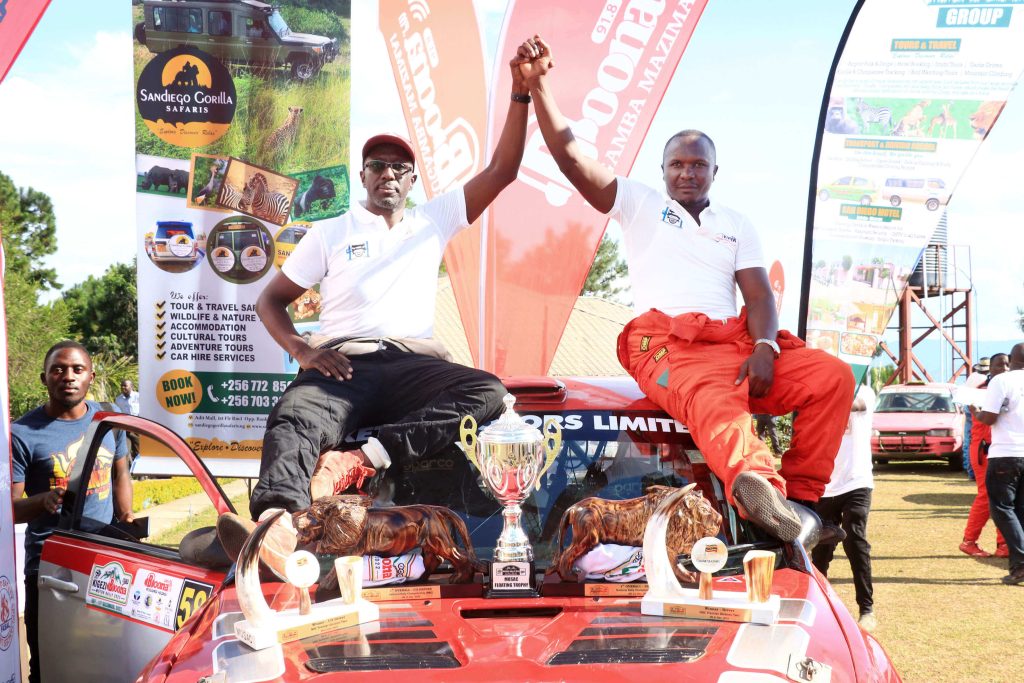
x,y
724,606
289,625
431,589
554,586
512,580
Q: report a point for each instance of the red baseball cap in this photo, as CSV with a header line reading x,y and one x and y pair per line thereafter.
x,y
388,139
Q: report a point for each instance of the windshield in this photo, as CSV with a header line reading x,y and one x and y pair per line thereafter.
x,y
603,454
278,23
167,231
914,402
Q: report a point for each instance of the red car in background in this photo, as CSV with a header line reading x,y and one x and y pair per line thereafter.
x,y
918,422
117,608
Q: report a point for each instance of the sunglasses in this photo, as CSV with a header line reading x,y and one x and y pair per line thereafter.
x,y
399,168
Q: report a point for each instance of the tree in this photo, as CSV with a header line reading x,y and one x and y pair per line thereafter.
x,y
608,269
31,329
1020,318
104,312
29,233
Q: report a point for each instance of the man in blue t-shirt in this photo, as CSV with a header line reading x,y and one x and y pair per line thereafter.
x,y
44,445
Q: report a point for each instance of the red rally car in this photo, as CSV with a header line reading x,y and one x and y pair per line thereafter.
x,y
116,608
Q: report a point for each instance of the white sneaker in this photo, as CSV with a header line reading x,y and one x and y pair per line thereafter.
x,y
868,621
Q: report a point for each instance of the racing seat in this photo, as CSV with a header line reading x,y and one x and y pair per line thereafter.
x,y
202,548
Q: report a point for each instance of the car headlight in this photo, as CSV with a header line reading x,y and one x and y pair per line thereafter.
x,y
875,432
939,432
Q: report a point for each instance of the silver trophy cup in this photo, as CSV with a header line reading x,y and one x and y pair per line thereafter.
x,y
511,456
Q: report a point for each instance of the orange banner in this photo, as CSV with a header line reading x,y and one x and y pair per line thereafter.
x,y
614,60
17,21
437,58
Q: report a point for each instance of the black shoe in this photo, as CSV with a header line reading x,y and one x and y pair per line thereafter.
x,y
1015,576
765,506
831,534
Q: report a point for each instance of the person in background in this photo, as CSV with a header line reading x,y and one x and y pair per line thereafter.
x,y
847,501
765,425
1003,410
44,445
981,438
128,403
978,376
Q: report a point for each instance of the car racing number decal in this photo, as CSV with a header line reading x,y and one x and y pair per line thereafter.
x,y
193,595
149,597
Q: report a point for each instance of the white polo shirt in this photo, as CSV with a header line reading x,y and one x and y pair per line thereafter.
x,y
676,265
1005,398
853,461
376,281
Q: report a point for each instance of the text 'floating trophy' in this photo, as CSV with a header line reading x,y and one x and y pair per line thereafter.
x,y
511,456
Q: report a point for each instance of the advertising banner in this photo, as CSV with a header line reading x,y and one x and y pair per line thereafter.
x,y
444,99
241,145
916,89
10,644
614,61
17,21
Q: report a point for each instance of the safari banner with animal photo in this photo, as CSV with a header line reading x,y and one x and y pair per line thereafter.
x,y
242,145
905,115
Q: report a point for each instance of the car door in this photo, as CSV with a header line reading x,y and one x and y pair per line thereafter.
x,y
108,602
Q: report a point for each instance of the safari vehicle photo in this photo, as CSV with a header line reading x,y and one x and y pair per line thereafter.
x,y
918,422
127,609
931,192
237,31
860,190
174,241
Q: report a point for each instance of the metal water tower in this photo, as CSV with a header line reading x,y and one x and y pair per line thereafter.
x,y
941,291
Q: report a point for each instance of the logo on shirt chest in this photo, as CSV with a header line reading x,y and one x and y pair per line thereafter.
x,y
722,237
358,250
671,217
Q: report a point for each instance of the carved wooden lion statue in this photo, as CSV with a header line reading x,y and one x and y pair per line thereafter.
x,y
344,525
596,520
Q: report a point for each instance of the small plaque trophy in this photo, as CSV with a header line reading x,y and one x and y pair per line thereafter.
x,y
665,597
511,457
264,627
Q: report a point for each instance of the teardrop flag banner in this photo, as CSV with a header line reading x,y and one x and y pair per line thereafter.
x,y
17,21
916,87
437,59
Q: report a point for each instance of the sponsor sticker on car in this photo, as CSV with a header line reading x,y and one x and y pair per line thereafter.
x,y
147,596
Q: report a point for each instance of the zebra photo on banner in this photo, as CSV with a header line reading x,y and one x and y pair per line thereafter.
x,y
257,191
875,120
229,197
262,203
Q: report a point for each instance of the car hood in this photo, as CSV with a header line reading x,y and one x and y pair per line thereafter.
x,y
294,38
583,639
916,421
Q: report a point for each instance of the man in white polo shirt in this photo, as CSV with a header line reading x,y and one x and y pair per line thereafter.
x,y
689,350
374,362
1004,411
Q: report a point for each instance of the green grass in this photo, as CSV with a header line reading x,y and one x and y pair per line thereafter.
x,y
149,492
208,517
944,617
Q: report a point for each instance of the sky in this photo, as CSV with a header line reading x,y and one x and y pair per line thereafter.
x,y
752,77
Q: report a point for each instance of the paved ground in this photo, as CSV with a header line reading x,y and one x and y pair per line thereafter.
x,y
169,515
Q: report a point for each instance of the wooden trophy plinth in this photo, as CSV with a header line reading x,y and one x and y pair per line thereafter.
x,y
431,589
554,586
